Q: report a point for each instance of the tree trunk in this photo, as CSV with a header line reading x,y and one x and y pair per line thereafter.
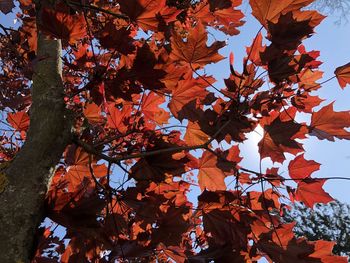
x,y
22,202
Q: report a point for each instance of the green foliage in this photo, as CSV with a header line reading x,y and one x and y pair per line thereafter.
x,y
326,221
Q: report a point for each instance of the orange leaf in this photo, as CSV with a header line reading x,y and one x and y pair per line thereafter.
x,y
284,234
150,108
220,15
343,75
322,248
307,79
117,119
270,10
195,51
194,135
231,58
210,177
187,91
311,192
81,157
93,113
305,102
76,173
329,124
299,168
19,120
148,13
255,49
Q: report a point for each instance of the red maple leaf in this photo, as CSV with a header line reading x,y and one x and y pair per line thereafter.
x,y
194,50
310,192
270,10
19,120
210,176
343,75
329,124
279,136
299,168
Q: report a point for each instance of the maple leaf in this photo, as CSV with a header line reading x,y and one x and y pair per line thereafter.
x,y
343,75
288,32
245,83
118,119
329,124
283,234
6,6
210,177
310,192
160,166
62,25
79,167
308,78
29,32
93,113
305,102
194,50
284,247
223,221
76,173
194,134
296,250
270,10
19,120
232,154
187,91
221,15
174,253
323,251
255,49
148,13
150,108
299,168
121,84
280,132
312,16
322,248
264,200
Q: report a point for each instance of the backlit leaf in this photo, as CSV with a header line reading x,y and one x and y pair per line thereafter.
x,y
270,10
210,176
19,120
194,50
299,168
329,124
311,192
343,75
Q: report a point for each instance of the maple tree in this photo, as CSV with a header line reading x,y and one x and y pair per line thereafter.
x,y
106,132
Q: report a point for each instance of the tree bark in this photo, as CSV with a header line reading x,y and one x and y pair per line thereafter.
x,y
22,202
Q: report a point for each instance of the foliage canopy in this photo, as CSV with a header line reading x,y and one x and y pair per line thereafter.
x,y
149,125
